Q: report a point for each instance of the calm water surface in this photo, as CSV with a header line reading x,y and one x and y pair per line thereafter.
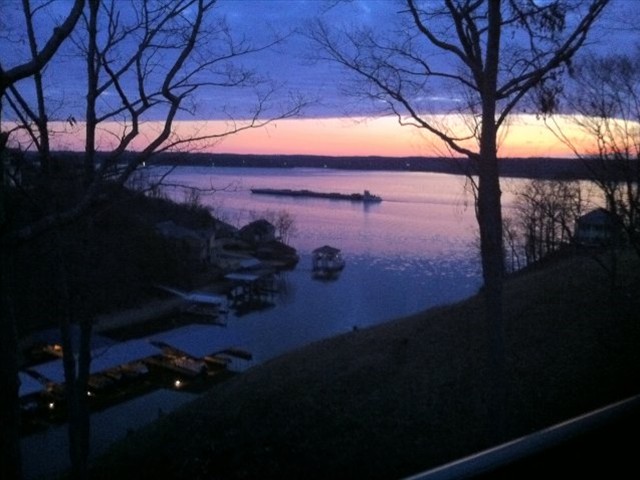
x,y
412,251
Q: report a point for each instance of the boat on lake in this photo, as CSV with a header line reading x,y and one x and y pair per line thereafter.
x,y
327,263
366,196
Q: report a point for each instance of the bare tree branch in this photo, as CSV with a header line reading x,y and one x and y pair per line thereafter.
x,y
127,61
35,65
604,93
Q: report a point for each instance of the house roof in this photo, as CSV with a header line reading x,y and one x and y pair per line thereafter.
x,y
259,226
224,229
326,250
599,216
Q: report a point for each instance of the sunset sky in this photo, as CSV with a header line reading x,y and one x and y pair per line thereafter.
x,y
332,124
526,137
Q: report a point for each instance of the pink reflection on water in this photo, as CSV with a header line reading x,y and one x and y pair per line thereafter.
x,y
421,213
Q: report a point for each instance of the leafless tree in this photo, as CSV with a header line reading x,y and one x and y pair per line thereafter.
x,y
145,63
10,457
283,221
514,260
41,56
489,55
603,95
543,217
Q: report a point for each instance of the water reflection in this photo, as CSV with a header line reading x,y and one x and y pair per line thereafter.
x,y
415,205
413,250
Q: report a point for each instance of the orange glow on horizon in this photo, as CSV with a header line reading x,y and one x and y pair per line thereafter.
x,y
526,136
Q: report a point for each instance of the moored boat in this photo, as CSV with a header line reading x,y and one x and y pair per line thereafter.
x,y
327,259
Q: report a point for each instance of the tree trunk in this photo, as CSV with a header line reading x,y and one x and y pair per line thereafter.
x,y
490,223
10,455
76,366
76,361
92,92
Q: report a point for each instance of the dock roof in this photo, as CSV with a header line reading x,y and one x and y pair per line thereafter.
x,y
29,385
243,277
197,340
102,359
326,250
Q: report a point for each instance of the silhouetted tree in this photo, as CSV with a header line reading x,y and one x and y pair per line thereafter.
x,y
283,221
154,56
543,217
489,55
10,457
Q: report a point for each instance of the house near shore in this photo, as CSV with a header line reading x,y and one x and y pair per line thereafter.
x,y
231,249
197,244
258,232
596,228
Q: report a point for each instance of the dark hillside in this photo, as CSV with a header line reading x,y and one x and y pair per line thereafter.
x,y
402,397
111,258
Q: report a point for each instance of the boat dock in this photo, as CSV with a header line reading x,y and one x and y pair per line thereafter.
x,y
250,290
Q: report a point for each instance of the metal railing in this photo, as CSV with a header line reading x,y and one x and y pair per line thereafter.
x,y
486,461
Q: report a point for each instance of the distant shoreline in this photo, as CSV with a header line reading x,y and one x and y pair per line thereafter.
x,y
560,168
542,168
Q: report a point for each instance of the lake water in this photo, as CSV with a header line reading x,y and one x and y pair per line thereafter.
x,y
414,250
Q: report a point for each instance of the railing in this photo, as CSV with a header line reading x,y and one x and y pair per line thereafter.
x,y
508,453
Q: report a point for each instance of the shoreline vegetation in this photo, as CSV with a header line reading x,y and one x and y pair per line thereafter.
x,y
411,394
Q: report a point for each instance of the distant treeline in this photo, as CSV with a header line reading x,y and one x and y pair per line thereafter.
x,y
553,168
510,167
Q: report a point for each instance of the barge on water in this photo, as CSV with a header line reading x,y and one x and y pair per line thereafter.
x,y
366,196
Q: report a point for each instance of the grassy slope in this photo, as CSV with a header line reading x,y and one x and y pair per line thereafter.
x,y
407,395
